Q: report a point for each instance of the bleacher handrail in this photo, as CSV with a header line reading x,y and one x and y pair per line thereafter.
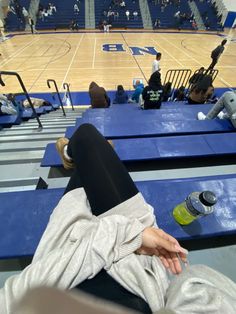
x,y
58,94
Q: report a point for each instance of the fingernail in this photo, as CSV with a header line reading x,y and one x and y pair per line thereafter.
x,y
181,249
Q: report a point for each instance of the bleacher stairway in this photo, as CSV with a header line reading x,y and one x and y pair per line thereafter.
x,y
22,148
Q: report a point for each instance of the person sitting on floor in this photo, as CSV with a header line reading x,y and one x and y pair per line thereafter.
x,y
98,96
179,94
6,105
152,94
228,102
167,91
138,91
102,238
202,91
121,97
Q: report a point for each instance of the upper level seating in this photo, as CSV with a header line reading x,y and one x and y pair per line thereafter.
x,y
166,13
208,14
63,16
15,21
102,8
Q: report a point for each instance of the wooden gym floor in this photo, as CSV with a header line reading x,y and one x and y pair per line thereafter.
x,y
78,58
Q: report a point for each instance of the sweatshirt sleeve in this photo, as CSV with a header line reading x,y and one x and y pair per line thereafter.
x,y
91,246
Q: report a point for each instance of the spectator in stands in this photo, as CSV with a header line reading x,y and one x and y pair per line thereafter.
x,y
216,53
127,13
121,97
152,94
156,63
76,8
116,15
98,96
167,91
179,94
138,91
103,239
202,91
31,23
74,25
25,14
228,102
6,105
157,24
122,4
197,76
135,15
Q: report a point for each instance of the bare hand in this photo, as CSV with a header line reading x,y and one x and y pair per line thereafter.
x,y
157,242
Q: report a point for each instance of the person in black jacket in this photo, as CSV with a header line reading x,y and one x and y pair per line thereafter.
x,y
216,53
152,94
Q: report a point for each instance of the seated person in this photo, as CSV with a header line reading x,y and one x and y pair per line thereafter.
x,y
152,94
103,238
202,91
36,102
6,105
179,94
167,91
228,102
121,97
98,96
197,76
138,85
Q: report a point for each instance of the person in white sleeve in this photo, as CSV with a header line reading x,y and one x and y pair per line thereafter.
x,y
225,108
102,238
156,63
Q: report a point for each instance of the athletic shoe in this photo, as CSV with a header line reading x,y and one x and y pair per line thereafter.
x,y
221,115
60,145
201,116
233,117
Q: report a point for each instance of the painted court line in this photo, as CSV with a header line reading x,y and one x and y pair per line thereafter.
x,y
72,60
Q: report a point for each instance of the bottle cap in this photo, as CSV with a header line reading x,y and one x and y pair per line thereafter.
x,y
208,198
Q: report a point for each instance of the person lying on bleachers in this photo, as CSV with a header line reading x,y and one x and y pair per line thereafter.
x,y
152,94
37,102
121,97
138,86
98,96
103,239
202,91
6,105
226,102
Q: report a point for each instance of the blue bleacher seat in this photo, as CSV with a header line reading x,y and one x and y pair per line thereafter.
x,y
24,215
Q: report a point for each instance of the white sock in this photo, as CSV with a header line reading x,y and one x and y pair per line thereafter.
x,y
201,116
66,154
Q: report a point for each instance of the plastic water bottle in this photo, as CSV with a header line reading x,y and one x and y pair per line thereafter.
x,y
196,205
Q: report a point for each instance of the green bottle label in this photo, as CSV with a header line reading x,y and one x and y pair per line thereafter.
x,y
182,215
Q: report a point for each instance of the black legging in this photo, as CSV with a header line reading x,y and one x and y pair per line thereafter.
x,y
107,183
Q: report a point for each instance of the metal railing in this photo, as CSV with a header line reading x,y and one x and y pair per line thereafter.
x,y
58,94
8,73
177,78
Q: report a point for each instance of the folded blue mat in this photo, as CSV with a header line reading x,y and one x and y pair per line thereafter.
x,y
24,215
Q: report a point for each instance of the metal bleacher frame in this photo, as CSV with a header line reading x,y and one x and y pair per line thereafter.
x,y
181,77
